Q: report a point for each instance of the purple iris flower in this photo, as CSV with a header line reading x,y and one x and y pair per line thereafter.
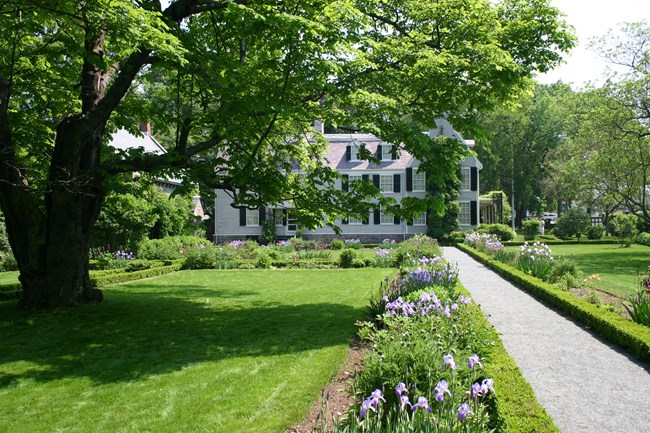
x,y
475,390
376,396
448,360
366,406
487,385
422,403
463,411
474,361
441,389
404,401
401,389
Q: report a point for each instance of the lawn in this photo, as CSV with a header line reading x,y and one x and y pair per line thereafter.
x,y
620,269
8,277
192,351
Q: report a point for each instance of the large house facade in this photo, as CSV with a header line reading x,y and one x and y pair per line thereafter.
x,y
396,177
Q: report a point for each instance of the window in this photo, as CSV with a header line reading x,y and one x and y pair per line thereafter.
x,y
354,178
419,181
464,216
354,220
420,220
465,179
386,152
354,151
252,217
386,182
386,218
278,216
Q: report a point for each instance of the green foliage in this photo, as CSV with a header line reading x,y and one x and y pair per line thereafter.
x,y
347,258
503,232
624,226
263,260
573,223
168,248
639,308
9,263
4,240
531,228
125,221
414,248
595,231
268,236
563,269
210,257
122,277
643,239
337,244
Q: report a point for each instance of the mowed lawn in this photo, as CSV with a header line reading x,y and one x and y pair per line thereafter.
x,y
192,351
620,269
8,277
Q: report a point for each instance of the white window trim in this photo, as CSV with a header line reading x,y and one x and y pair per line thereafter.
x,y
422,220
354,178
251,216
469,213
424,180
465,179
392,183
383,215
387,152
355,147
355,221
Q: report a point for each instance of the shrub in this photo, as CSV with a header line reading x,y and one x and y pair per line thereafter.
x,y
117,260
209,257
503,232
415,247
337,244
535,260
268,236
263,260
643,238
595,231
9,263
358,263
624,226
347,257
561,268
531,228
572,223
168,248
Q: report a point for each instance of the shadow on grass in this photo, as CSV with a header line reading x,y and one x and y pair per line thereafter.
x,y
135,334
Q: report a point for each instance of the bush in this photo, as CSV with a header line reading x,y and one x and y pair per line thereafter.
x,y
561,269
595,231
263,260
503,232
347,258
573,223
337,244
624,226
209,257
9,263
531,228
643,239
414,248
168,248
268,236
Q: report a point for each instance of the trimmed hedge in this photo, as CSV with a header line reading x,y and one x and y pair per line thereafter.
x,y
10,291
629,335
564,242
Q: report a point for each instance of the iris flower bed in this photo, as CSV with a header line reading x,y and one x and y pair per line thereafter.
x,y
425,370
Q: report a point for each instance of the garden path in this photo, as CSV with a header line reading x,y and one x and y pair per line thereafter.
x,y
585,384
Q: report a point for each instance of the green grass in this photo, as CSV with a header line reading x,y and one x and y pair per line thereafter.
x,y
192,351
619,268
8,277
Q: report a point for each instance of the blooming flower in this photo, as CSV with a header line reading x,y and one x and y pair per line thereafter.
x,y
376,396
463,411
448,360
441,389
474,391
366,406
422,403
474,361
404,401
487,385
401,389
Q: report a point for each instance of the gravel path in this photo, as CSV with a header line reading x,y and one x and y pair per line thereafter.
x,y
585,384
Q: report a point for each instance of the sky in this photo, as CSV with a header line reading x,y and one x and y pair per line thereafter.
x,y
592,18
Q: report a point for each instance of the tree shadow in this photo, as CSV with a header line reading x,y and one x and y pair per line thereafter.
x,y
137,334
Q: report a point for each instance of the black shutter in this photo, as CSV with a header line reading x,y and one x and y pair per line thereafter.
x,y
473,220
242,216
378,154
345,220
375,180
396,218
348,153
409,179
409,222
473,178
397,183
377,216
284,217
262,215
344,182
365,177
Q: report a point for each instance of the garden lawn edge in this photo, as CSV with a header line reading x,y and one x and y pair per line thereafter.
x,y
616,329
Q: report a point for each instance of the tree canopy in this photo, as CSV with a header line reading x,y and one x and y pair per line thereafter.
x,y
237,85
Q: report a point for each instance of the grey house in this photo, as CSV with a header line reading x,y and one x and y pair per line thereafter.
x,y
396,177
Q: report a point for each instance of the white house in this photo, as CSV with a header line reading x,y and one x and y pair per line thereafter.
x,y
396,177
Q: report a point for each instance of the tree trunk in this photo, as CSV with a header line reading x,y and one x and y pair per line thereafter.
x,y
52,246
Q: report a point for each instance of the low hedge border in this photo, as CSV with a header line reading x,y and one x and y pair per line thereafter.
x,y
561,242
12,291
616,329
515,408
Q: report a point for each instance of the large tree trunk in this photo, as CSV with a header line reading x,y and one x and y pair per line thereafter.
x,y
52,246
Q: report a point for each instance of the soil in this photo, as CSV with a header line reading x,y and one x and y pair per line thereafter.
x,y
336,397
606,298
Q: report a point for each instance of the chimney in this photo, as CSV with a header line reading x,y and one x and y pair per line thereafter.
x,y
145,128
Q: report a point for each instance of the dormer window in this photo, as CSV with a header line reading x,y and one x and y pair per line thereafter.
x,y
352,151
387,152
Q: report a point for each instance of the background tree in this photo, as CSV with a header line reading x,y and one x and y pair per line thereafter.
x,y
518,143
237,84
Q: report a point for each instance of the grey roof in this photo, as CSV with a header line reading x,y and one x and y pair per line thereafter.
x,y
124,140
339,142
